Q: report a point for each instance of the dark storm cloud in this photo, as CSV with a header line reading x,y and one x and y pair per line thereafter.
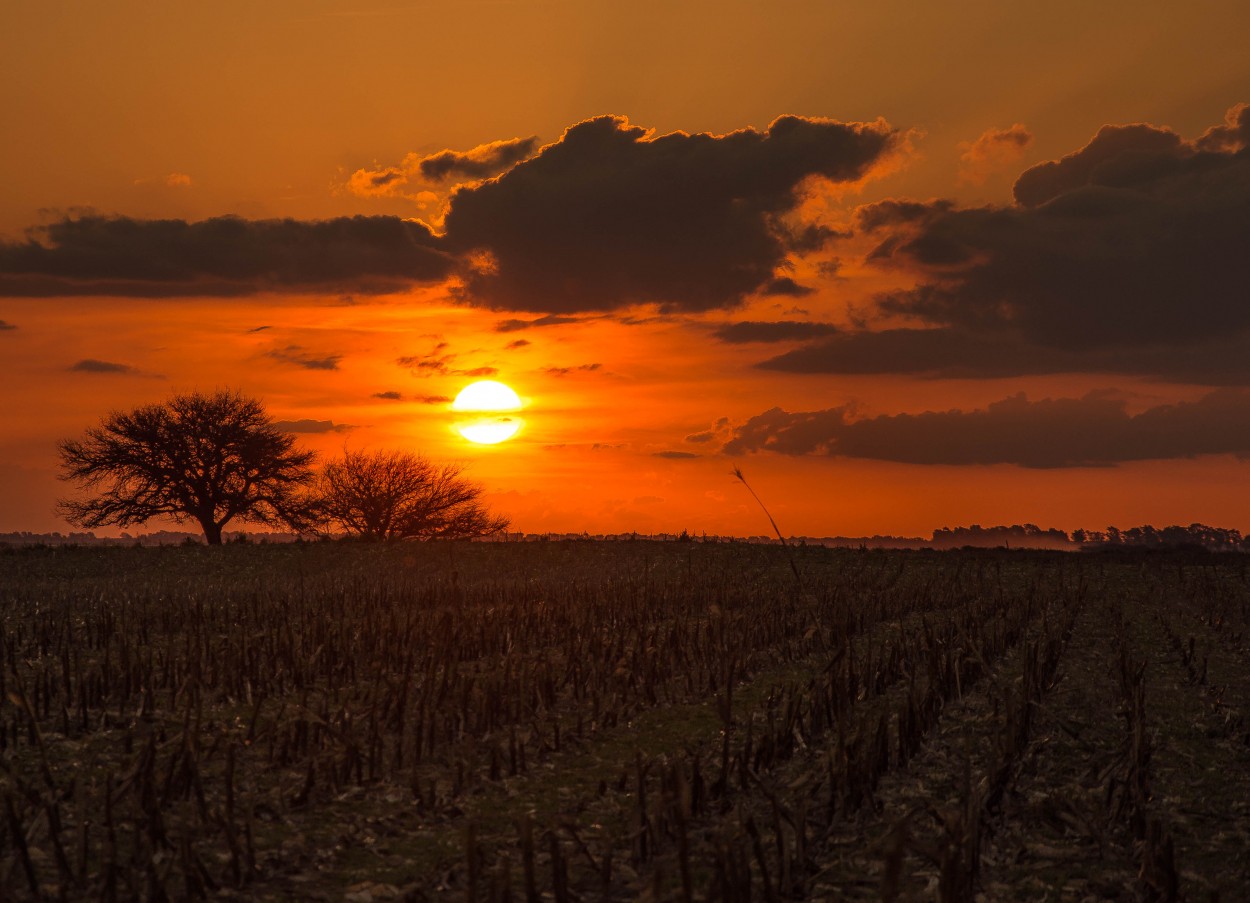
x,y
811,237
117,255
91,365
1232,135
785,286
775,331
1133,245
311,426
481,162
302,357
1095,430
893,212
1117,155
607,216
946,353
959,353
611,215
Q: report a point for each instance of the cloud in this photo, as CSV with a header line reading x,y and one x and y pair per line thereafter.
x,y
419,399
311,426
1096,430
608,216
550,320
438,362
1117,155
811,237
612,214
417,170
378,183
435,362
301,357
224,256
1232,135
775,331
424,366
479,163
258,329
946,353
993,150
5,325
960,353
91,365
784,285
565,371
675,455
1127,252
519,343
172,180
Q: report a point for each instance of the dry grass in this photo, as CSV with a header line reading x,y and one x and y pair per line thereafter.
x,y
619,721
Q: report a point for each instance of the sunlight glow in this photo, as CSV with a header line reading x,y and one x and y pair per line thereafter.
x,y
489,430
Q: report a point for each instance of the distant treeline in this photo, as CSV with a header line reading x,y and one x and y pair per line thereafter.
x,y
1195,535
1027,536
1034,537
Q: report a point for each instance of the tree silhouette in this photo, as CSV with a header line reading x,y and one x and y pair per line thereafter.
x,y
401,495
212,459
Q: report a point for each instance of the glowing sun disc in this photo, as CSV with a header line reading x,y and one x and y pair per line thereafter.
x,y
489,430
486,395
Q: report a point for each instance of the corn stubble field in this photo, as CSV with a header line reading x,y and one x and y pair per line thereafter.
x,y
618,721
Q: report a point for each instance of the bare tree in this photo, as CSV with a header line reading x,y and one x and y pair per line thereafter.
x,y
212,459
401,495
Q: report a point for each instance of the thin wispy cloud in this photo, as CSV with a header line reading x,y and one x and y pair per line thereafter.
x,y
299,356
93,365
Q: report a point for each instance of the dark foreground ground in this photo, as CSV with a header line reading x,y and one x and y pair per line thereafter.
x,y
618,721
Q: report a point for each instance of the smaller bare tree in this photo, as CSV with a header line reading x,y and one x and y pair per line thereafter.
x,y
402,495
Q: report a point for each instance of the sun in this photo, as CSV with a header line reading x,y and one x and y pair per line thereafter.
x,y
486,395
492,402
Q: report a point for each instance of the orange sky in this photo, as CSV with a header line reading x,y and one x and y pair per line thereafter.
x,y
1111,284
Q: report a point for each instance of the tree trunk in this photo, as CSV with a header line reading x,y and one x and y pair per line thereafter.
x,y
212,531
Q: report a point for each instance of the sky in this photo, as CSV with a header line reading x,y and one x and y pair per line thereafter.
x,y
906,265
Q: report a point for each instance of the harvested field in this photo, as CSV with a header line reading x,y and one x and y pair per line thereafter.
x,y
622,720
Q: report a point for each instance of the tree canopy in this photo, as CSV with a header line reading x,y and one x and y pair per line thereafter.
x,y
402,495
208,458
